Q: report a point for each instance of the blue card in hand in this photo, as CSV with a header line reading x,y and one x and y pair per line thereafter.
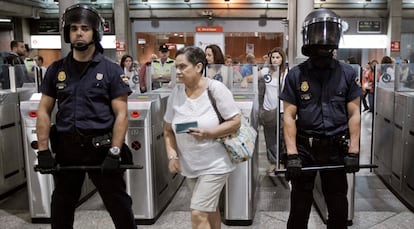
x,y
183,127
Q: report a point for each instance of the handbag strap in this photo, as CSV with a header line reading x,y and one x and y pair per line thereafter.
x,y
213,102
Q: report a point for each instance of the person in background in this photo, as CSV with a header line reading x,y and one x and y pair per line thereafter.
x,y
247,68
194,152
92,104
265,58
270,82
161,68
321,122
215,64
130,72
39,63
228,60
143,73
15,58
386,73
368,86
355,65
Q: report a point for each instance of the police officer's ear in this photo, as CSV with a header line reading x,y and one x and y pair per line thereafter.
x,y
306,50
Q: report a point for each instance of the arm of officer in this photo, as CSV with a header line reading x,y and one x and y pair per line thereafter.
x,y
289,127
43,121
354,124
120,109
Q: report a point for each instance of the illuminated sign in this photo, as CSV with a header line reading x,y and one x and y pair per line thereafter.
x,y
369,27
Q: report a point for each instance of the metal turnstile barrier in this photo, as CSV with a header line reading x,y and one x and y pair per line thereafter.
x,y
153,187
241,188
12,173
40,186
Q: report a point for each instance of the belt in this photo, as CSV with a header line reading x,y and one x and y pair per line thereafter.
x,y
97,138
320,140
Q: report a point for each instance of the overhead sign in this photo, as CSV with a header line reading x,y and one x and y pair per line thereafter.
x,y
395,46
209,29
369,26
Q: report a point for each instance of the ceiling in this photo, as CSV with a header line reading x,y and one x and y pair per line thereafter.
x,y
197,8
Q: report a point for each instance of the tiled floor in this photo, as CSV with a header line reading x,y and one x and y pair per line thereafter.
x,y
375,206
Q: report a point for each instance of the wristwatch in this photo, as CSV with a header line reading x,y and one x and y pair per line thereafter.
x,y
115,151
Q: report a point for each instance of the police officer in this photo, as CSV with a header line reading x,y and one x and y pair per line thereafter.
x,y
91,121
322,121
162,67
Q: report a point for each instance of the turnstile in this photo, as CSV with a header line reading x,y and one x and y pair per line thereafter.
x,y
241,188
12,174
153,187
40,186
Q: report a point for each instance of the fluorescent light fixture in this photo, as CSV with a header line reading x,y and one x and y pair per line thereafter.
x,y
5,20
363,42
54,42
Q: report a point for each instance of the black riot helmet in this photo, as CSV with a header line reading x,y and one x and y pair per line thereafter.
x,y
322,29
83,13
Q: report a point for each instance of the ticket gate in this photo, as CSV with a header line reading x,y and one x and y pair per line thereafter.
x,y
40,186
241,188
153,187
320,200
12,174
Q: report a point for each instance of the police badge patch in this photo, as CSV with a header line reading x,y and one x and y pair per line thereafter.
x,y
304,86
61,76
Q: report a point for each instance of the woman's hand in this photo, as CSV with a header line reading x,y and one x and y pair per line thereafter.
x,y
199,133
174,166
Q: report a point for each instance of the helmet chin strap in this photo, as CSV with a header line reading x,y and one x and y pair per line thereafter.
x,y
80,46
321,57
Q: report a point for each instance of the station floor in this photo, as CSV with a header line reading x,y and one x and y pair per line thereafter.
x,y
375,206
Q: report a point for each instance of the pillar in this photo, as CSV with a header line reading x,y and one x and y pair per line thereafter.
x,y
63,4
394,26
123,27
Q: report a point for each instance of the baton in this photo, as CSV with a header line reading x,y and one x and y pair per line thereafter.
x,y
83,167
328,167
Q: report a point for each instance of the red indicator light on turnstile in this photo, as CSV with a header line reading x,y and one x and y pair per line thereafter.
x,y
135,114
32,114
136,145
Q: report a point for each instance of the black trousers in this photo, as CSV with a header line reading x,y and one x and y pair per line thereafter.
x,y
78,150
334,185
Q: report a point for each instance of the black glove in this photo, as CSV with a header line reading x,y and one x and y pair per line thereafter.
x,y
45,161
111,162
293,166
351,162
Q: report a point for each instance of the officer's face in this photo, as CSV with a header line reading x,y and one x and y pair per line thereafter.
x,y
186,71
80,33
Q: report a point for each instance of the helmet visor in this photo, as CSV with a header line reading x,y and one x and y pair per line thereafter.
x,y
84,16
322,33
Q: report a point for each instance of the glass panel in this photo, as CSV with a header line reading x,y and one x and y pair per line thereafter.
x,y
404,77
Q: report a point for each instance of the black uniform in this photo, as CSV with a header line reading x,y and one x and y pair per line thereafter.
x,y
321,97
84,94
